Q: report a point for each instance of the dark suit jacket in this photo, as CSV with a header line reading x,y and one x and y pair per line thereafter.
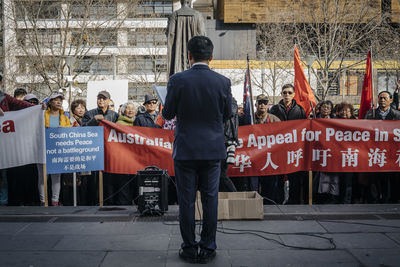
x,y
201,100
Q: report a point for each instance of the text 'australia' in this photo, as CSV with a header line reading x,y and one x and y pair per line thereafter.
x,y
130,138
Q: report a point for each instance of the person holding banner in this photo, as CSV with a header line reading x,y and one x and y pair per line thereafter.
x,y
128,112
53,117
102,112
383,182
287,109
92,118
120,181
78,109
148,117
199,145
271,186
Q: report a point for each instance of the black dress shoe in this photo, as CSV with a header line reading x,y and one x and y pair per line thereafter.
x,y
206,255
186,256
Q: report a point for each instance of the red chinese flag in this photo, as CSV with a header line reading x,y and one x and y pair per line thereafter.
x,y
366,93
304,95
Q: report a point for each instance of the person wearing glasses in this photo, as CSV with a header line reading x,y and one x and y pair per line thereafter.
x,y
384,186
287,109
102,112
92,118
148,117
111,105
31,98
271,186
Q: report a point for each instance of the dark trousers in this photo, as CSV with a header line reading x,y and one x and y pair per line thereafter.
x,y
225,183
22,185
272,188
192,175
244,184
117,189
92,189
298,188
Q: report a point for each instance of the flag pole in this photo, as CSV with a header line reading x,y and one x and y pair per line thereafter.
x,y
250,91
372,86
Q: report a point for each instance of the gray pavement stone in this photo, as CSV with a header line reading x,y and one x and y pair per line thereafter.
x,y
277,226
222,259
377,257
307,241
373,226
360,240
135,258
364,240
298,209
50,259
28,242
394,236
145,242
12,228
286,257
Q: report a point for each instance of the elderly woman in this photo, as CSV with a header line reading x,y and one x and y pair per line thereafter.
x,y
346,179
119,189
128,112
328,182
53,117
78,109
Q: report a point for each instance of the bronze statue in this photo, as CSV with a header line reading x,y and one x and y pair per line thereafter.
x,y
183,24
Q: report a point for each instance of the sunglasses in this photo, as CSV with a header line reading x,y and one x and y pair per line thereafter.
x,y
287,92
265,102
152,102
35,102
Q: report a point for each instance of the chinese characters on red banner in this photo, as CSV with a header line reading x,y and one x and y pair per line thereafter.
x,y
275,148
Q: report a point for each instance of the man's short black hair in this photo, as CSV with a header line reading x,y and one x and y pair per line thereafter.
x,y
288,85
390,94
200,47
20,91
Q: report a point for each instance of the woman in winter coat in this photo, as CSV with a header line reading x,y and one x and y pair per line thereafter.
x,y
53,117
128,112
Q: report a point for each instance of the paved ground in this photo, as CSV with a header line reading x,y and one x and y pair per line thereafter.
x,y
361,235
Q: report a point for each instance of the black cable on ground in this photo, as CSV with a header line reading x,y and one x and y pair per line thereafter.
x,y
359,223
119,190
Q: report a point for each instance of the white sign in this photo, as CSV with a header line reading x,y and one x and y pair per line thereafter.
x,y
22,138
118,90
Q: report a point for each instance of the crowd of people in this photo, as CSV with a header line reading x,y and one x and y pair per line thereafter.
x,y
23,185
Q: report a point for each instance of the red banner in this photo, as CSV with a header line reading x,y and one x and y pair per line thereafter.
x,y
265,149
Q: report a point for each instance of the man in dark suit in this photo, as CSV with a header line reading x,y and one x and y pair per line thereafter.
x,y
201,100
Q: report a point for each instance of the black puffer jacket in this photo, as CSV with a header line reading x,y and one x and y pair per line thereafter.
x,y
231,125
393,115
144,119
89,120
296,113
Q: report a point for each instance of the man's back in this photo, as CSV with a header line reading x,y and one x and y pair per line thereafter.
x,y
201,100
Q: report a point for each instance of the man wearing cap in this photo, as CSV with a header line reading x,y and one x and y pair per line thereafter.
x,y
148,118
271,186
31,98
92,118
261,115
102,112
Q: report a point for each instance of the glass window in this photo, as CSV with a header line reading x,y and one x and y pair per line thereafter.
x,y
94,10
38,10
152,9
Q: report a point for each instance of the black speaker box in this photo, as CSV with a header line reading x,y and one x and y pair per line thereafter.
x,y
153,191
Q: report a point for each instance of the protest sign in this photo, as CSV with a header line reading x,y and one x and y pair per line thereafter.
x,y
22,137
268,149
74,149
